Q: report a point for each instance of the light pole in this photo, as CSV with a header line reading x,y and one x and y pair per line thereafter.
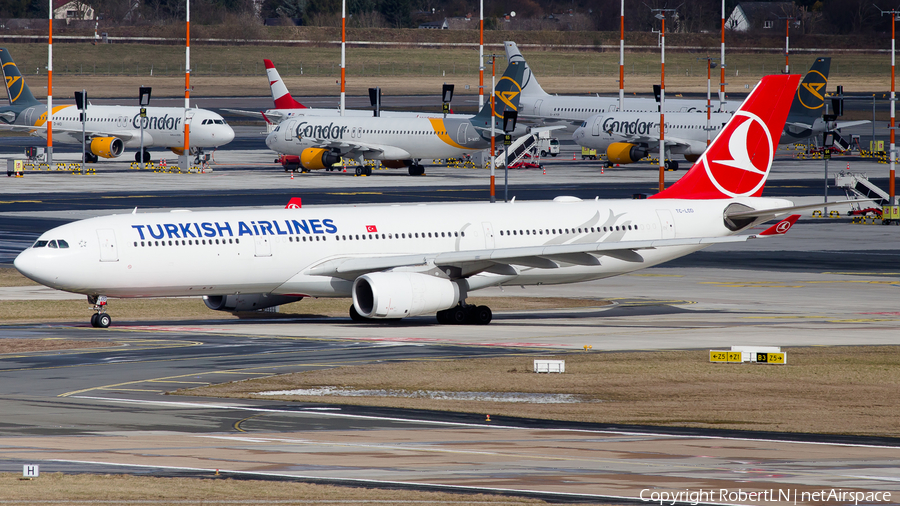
x,y
493,58
722,63
622,58
894,16
661,15
710,64
509,124
81,104
787,37
144,101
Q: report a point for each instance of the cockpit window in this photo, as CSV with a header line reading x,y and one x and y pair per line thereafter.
x,y
52,244
40,244
205,122
584,123
219,121
63,244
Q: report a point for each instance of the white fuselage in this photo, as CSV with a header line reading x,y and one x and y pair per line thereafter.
x,y
687,130
274,250
163,126
379,138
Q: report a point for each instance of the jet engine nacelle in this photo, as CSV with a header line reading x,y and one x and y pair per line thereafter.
x,y
107,147
401,294
318,158
396,164
246,301
624,152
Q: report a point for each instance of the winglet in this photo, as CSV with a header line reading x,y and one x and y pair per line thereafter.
x,y
294,203
781,227
280,93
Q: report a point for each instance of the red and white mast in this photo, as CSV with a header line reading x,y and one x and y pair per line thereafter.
x,y
622,58
187,84
343,52
50,88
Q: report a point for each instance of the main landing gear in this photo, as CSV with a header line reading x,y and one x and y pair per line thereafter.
x,y
137,156
416,169
363,170
465,314
100,319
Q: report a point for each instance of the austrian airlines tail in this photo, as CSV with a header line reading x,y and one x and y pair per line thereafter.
x,y
738,161
280,93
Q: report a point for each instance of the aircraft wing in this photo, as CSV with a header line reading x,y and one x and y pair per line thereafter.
x,y
273,116
346,147
501,259
535,130
848,124
125,136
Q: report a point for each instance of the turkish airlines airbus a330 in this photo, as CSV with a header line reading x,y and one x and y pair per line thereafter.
x,y
407,260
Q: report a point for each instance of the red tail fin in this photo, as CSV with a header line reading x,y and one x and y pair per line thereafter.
x,y
737,162
280,93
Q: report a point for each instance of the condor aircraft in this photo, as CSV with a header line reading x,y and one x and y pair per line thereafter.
x,y
109,129
397,261
398,142
629,136
571,111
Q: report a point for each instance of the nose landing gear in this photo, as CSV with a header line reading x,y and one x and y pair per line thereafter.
x,y
100,319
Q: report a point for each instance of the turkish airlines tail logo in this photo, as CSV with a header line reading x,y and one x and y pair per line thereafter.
x,y
738,161
280,93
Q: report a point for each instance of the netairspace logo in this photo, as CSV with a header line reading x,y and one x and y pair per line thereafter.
x,y
724,495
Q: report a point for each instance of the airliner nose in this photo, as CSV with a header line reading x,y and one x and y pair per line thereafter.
x,y
27,264
579,133
227,134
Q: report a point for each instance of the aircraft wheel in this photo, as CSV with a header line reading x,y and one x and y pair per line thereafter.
x,y
146,157
94,320
359,171
137,157
483,315
355,316
671,165
368,171
457,316
442,317
103,320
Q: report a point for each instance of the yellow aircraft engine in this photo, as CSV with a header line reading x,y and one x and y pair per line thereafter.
x,y
318,158
107,147
624,152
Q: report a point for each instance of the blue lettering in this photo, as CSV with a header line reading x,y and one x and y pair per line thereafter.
x,y
278,230
210,231
288,223
265,226
140,230
172,230
255,230
197,228
161,233
316,226
300,225
221,229
329,226
186,230
243,229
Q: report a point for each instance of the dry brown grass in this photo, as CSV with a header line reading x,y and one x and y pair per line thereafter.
x,y
11,277
13,345
85,488
852,390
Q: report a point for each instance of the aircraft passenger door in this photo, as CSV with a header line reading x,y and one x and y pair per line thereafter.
x,y
666,223
289,129
462,134
108,250
596,127
488,234
537,107
263,246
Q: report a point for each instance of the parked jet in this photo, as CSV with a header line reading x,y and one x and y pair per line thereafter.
x,y
397,261
540,107
109,129
398,142
626,137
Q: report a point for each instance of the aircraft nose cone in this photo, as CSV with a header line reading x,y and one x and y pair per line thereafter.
x,y
26,263
579,133
228,134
